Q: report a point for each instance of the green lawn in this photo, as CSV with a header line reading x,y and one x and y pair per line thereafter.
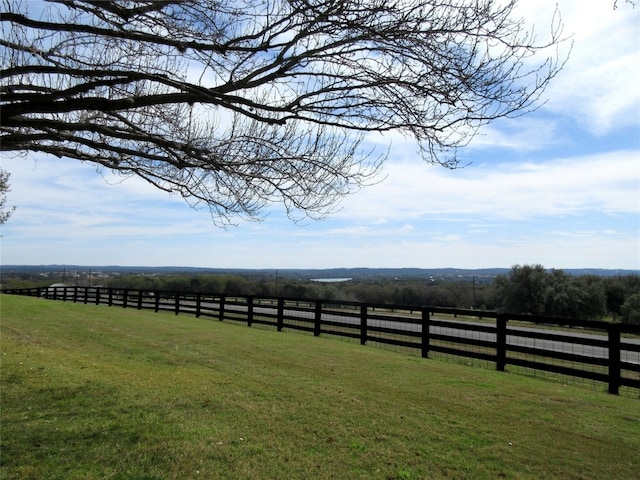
x,y
94,392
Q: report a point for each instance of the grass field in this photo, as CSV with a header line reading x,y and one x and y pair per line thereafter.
x,y
92,392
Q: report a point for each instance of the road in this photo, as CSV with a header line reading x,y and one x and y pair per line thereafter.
x,y
452,329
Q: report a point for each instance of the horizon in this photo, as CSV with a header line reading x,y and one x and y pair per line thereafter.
x,y
178,268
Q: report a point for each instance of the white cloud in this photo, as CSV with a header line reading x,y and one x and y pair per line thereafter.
x,y
433,249
607,183
525,134
596,87
60,198
485,215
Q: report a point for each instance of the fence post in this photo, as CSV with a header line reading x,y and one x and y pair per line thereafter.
x,y
198,302
280,313
363,324
156,296
86,295
317,319
614,358
139,299
125,297
501,342
425,332
97,295
110,300
75,294
221,311
177,302
249,310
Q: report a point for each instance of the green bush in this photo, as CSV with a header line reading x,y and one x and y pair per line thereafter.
x,y
631,309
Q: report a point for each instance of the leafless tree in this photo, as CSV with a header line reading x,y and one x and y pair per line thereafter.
x,y
5,211
238,104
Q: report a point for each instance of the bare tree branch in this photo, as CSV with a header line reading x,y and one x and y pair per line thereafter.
x,y
238,105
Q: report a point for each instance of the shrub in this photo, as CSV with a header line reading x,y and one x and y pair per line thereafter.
x,y
631,309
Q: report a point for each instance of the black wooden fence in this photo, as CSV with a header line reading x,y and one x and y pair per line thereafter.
x,y
603,352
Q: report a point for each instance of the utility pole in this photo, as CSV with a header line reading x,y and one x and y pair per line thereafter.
x,y
474,292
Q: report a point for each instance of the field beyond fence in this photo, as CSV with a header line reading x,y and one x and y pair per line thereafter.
x,y
602,353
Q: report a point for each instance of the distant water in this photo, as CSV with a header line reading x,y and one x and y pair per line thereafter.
x,y
330,280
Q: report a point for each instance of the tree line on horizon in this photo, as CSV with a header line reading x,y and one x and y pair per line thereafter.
x,y
525,289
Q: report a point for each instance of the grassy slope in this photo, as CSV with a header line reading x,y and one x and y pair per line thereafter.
x,y
96,392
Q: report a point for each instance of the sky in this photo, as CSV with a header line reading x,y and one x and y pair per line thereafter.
x,y
558,187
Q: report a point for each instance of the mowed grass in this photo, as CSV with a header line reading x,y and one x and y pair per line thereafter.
x,y
94,392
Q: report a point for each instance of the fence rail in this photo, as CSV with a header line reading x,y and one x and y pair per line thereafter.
x,y
597,351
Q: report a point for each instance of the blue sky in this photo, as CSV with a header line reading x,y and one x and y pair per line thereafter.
x,y
560,187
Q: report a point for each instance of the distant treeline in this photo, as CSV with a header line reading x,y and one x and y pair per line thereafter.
x,y
526,289
531,289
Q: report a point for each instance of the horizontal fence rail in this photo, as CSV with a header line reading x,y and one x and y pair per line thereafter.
x,y
598,351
